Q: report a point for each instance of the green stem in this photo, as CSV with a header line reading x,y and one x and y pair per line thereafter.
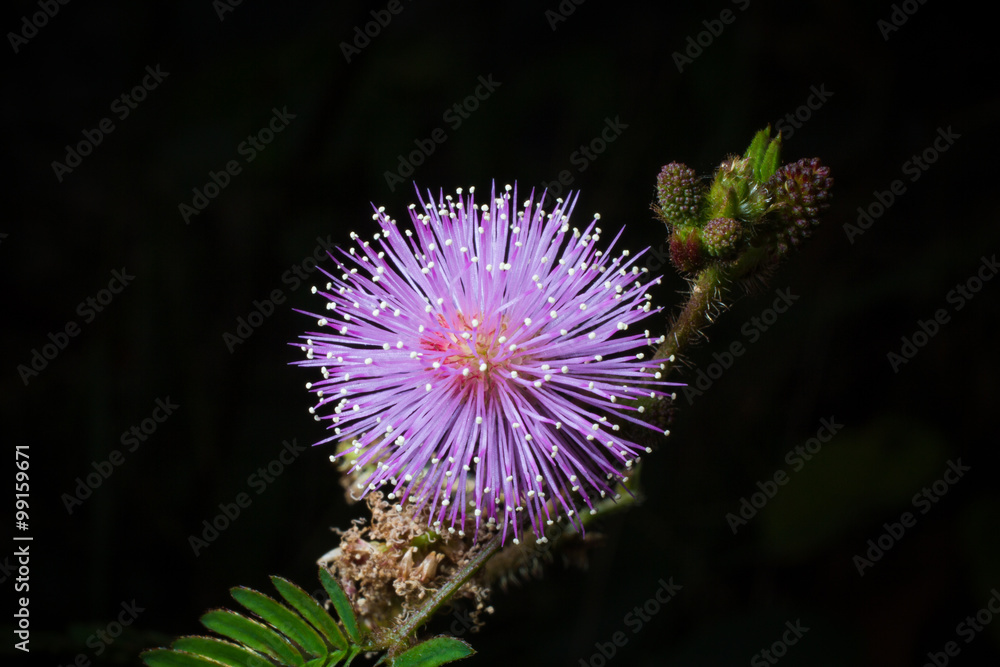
x,y
695,315
710,283
398,637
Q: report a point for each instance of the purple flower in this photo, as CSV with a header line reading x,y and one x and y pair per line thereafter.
x,y
476,364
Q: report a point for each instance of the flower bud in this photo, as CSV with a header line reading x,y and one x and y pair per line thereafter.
x,y
735,193
686,250
801,191
721,237
680,194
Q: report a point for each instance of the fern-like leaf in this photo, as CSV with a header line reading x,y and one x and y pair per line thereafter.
x,y
284,619
303,634
311,610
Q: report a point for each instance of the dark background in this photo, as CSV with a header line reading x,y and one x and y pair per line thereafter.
x,y
825,358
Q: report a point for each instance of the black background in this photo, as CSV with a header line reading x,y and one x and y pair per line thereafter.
x,y
825,358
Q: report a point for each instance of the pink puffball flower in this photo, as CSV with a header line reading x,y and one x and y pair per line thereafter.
x,y
477,363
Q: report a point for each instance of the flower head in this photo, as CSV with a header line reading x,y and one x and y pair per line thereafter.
x,y
482,363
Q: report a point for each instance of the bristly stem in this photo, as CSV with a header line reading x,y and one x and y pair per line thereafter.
x,y
711,284
398,637
695,315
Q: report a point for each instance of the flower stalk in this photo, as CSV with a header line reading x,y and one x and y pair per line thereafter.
x,y
695,315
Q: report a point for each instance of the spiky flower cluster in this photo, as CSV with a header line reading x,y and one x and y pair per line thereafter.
x,y
484,362
750,216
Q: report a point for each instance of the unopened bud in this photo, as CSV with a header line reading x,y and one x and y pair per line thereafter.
x,y
721,237
680,194
801,191
686,251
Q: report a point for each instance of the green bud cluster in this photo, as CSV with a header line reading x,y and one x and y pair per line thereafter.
x,y
750,215
679,192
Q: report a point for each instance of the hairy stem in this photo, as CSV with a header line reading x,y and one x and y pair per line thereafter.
x,y
694,316
711,283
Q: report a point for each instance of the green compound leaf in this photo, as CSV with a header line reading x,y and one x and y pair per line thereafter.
x,y
312,611
341,604
282,618
252,634
433,652
164,657
286,638
221,651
